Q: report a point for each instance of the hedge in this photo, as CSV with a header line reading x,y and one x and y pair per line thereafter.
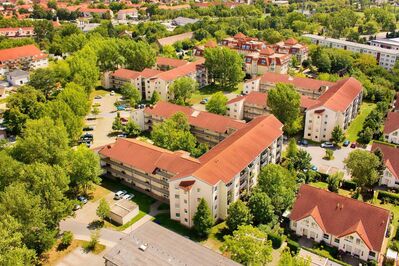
x,y
388,197
294,246
348,185
277,240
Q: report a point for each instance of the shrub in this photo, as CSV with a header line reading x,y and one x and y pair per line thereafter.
x,y
294,246
388,197
277,240
348,185
66,240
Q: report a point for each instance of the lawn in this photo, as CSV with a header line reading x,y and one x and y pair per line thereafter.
x,y
207,91
357,124
164,220
215,238
117,227
324,185
100,92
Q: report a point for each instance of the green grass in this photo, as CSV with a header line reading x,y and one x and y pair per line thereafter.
x,y
163,207
3,100
164,220
207,91
116,227
357,124
324,185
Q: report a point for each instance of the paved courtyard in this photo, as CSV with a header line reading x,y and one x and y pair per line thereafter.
x,y
80,257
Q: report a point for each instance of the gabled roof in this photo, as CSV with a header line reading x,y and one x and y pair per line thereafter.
x,y
147,157
149,72
206,120
234,153
180,71
21,52
390,157
290,41
267,51
164,61
341,215
187,185
240,35
126,73
341,95
391,123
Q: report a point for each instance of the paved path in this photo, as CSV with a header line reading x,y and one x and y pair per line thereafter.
x,y
80,257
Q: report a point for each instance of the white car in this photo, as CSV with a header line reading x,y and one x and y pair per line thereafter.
x,y
120,194
128,196
327,145
112,93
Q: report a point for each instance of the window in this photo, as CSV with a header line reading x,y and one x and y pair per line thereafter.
x,y
372,254
185,201
198,190
357,241
216,188
177,214
336,240
216,206
198,199
185,219
177,196
325,236
185,211
216,197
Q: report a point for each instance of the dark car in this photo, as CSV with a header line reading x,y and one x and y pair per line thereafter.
x,y
88,128
303,142
353,145
346,143
82,199
87,136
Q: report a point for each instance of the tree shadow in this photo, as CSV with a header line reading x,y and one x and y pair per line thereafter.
x,y
97,224
221,233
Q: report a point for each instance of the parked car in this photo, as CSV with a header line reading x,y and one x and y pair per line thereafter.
x,y
303,142
346,143
314,167
88,128
327,145
121,108
82,199
128,196
112,93
87,136
123,135
98,97
120,194
353,145
204,101
76,207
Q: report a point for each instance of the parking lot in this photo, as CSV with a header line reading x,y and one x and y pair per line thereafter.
x,y
332,166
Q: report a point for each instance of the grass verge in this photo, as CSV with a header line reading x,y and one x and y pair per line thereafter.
x,y
357,124
117,227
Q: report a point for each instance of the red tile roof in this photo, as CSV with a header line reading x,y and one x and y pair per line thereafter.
x,y
267,51
149,72
187,185
164,61
390,156
340,216
240,35
341,95
16,29
126,74
234,153
290,41
206,120
147,157
303,83
391,123
127,11
21,52
181,71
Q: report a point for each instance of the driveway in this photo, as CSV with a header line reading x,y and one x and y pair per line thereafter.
x,y
103,123
332,166
79,257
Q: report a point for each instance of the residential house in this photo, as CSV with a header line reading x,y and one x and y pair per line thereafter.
x,y
293,47
18,77
350,225
390,154
165,63
391,128
199,50
220,176
385,57
338,106
182,21
312,88
207,127
23,57
128,14
17,32
255,104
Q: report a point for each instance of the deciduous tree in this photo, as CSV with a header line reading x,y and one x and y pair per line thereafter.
x,y
261,208
103,209
203,220
217,103
238,214
182,89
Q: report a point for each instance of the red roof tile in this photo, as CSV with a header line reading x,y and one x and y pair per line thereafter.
x,y
21,52
390,156
267,51
340,215
341,95
290,41
391,123
187,185
303,83
126,74
240,35
180,71
149,72
147,157
164,61
214,122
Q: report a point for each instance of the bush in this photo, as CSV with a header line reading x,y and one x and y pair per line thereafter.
x,y
277,240
388,197
294,246
348,185
66,240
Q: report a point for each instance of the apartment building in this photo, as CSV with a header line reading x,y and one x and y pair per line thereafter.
x,y
385,57
207,127
312,88
386,43
254,104
293,47
390,176
17,32
350,225
338,106
23,57
199,50
391,128
128,14
220,176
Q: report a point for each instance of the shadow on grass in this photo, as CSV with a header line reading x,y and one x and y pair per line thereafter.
x,y
221,233
97,224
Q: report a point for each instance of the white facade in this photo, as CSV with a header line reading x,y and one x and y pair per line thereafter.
x,y
389,179
351,243
385,57
40,63
236,109
17,80
392,137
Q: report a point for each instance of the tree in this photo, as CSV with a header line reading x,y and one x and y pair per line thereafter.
x,y
43,29
224,66
103,209
334,181
329,155
261,208
217,103
363,167
155,97
84,168
238,214
321,60
138,55
117,124
279,184
249,246
182,89
284,102
292,148
76,98
130,92
95,111
44,80
287,259
337,134
43,141
202,219
302,161
132,129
